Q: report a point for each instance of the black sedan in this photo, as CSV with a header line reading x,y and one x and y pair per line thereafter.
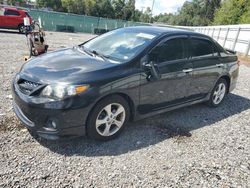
x,y
126,74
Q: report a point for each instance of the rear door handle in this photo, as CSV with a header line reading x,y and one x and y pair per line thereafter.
x,y
187,70
220,65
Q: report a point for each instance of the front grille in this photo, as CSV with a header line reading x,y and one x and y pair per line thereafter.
x,y
28,87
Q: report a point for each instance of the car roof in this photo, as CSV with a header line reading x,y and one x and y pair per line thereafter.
x,y
160,30
10,8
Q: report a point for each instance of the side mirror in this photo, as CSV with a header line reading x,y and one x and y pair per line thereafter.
x,y
154,70
152,66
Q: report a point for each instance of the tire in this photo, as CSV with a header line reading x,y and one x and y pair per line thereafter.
x,y
21,29
106,122
218,93
33,134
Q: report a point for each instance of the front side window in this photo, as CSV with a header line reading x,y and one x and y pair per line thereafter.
x,y
12,13
121,44
171,50
201,47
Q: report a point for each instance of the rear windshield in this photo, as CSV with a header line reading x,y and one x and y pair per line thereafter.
x,y
219,47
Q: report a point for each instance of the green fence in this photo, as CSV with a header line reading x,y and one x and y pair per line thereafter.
x,y
57,21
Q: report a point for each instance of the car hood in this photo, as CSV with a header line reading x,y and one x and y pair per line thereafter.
x,y
65,65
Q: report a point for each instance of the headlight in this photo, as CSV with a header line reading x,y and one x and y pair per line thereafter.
x,y
63,91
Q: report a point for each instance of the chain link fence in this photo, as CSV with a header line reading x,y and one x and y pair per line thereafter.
x,y
57,21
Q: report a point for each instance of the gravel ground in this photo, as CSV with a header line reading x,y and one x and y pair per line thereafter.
x,y
191,147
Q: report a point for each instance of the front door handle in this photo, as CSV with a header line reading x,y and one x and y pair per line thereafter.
x,y
187,70
220,65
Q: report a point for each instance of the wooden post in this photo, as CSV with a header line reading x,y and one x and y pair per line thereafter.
x,y
218,37
225,40
236,38
248,48
213,33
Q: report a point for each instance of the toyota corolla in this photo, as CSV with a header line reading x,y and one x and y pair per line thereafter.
x,y
127,74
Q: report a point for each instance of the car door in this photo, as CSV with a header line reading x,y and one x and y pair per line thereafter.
x,y
207,66
170,60
12,18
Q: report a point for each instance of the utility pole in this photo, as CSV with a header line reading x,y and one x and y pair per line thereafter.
x,y
153,4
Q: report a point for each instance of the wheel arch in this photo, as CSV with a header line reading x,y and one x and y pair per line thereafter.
x,y
123,95
19,25
227,78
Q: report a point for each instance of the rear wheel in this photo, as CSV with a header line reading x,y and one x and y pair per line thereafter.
x,y
108,118
218,94
21,29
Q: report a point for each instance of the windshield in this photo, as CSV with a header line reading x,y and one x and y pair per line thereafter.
x,y
121,44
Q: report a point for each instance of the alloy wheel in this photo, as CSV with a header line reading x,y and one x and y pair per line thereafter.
x,y
22,29
110,119
219,93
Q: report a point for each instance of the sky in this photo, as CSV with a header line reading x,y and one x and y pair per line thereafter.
x,y
160,6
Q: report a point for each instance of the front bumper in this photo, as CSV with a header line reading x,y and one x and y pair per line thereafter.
x,y
39,124
38,116
48,133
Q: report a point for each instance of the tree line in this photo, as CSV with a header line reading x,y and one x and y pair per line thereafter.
x,y
209,12
116,9
192,13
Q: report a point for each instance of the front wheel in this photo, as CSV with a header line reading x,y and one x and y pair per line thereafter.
x,y
218,94
108,118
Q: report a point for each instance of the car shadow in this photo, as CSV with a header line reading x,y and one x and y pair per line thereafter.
x,y
10,31
150,131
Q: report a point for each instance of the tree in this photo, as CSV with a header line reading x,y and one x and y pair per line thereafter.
x,y
89,7
192,13
16,2
56,5
210,7
245,18
136,15
146,15
129,9
104,9
233,12
164,18
118,8
73,6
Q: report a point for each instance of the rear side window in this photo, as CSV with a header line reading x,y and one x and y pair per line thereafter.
x,y
220,49
171,50
11,13
201,47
